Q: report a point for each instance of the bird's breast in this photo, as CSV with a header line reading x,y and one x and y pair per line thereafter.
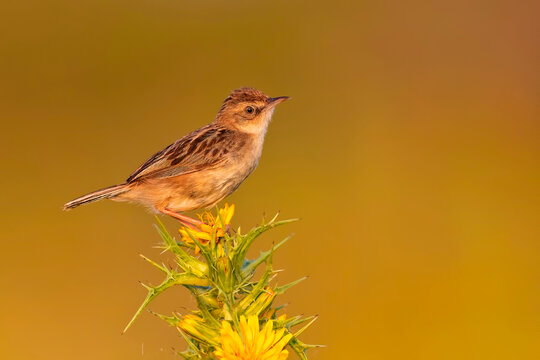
x,y
239,165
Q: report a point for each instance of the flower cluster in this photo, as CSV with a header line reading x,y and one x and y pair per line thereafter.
x,y
236,318
211,227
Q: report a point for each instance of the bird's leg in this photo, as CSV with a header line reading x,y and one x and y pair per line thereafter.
x,y
185,220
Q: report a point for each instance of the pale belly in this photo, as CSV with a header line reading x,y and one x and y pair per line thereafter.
x,y
187,192
204,190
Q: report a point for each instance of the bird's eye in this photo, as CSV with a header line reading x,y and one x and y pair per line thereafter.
x,y
249,109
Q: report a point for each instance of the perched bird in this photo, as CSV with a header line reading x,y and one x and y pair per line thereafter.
x,y
200,169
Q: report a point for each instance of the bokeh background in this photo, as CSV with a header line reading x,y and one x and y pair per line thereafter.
x,y
410,149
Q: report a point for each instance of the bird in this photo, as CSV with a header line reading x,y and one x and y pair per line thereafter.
x,y
202,168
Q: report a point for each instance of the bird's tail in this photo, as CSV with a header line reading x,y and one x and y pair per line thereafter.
x,y
107,193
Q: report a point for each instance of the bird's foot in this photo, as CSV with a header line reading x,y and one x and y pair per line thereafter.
x,y
185,220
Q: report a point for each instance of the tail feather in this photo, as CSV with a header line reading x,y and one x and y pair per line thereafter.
x,y
107,193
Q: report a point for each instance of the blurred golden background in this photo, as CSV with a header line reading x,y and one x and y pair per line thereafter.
x,y
410,149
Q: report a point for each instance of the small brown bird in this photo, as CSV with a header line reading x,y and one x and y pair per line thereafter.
x,y
203,167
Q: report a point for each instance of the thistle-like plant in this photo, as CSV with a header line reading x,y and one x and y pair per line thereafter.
x,y
236,318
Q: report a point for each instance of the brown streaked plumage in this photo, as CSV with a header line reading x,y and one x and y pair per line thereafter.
x,y
203,167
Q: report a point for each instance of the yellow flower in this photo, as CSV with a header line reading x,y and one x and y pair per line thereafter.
x,y
226,214
252,343
189,323
210,224
196,327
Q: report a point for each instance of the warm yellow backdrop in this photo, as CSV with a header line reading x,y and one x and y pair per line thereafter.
x,y
410,149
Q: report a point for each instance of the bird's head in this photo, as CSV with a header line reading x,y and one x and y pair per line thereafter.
x,y
248,110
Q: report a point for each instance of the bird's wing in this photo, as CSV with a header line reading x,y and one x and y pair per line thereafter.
x,y
200,149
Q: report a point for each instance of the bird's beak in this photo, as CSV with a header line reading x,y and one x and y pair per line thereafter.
x,y
277,100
